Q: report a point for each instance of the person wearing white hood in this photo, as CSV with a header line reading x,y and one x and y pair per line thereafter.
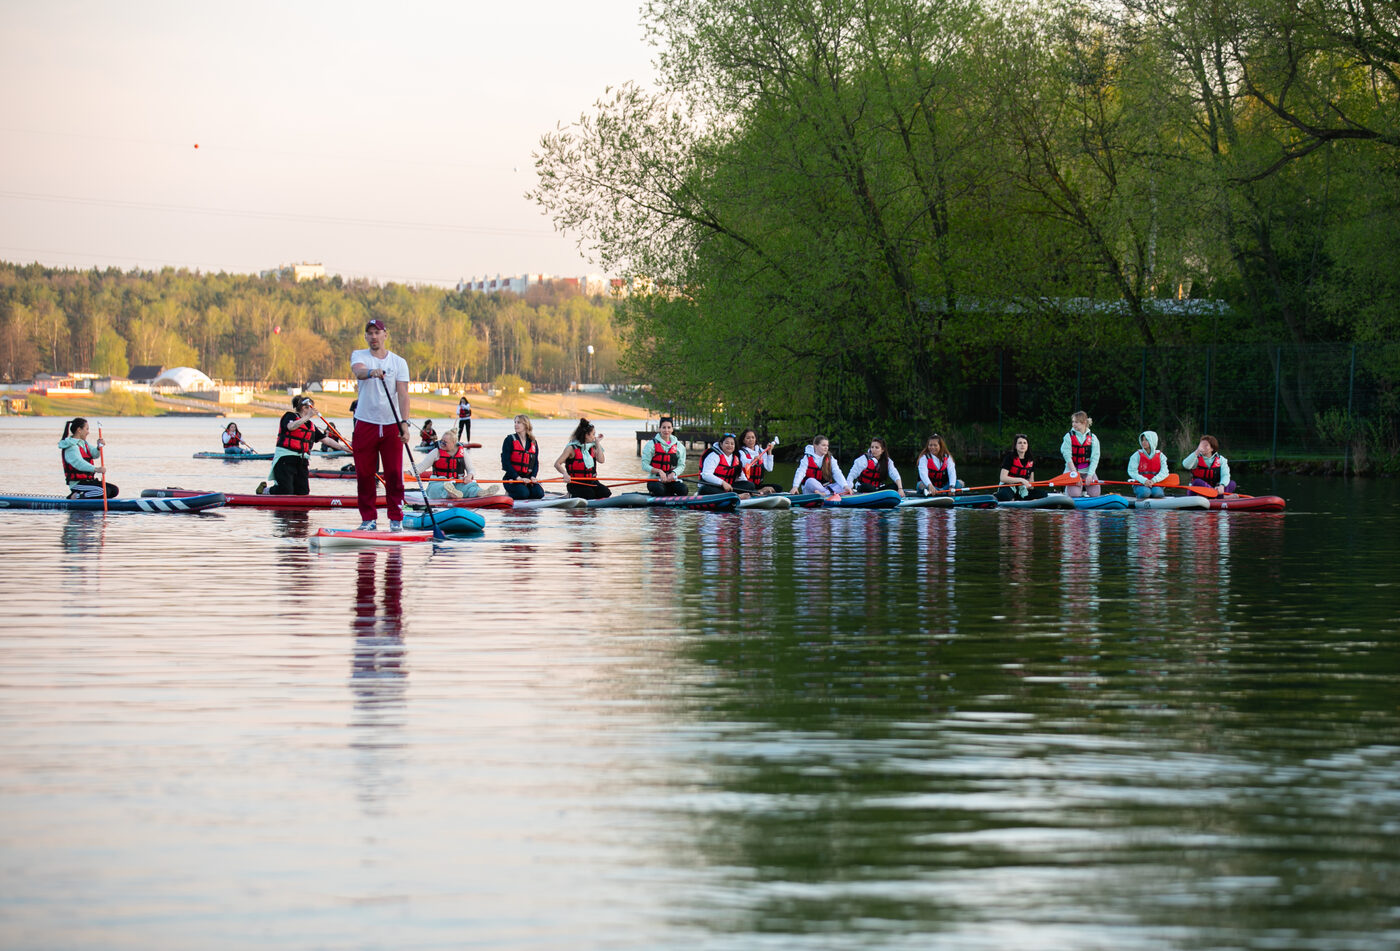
x,y
1148,467
818,471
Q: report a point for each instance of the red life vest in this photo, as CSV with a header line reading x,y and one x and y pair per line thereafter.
x,y
577,468
1149,466
1207,473
451,467
523,460
662,458
298,439
71,474
727,468
234,440
814,469
1080,452
869,477
464,412
1021,468
753,469
937,470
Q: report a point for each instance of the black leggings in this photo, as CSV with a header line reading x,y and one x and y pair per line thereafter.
x,y
523,491
668,488
90,489
1009,494
588,489
289,477
464,429
740,485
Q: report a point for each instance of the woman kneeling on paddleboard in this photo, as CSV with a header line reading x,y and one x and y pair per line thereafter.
x,y
818,471
79,466
1148,467
936,469
1081,454
520,460
578,463
296,436
450,466
757,461
870,472
1018,472
721,470
233,441
1209,468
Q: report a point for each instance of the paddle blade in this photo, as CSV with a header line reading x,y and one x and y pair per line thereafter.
x,y
1203,490
1171,482
1065,478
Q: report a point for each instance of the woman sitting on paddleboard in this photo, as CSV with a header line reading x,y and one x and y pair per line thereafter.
x,y
1209,468
936,469
450,466
233,441
79,462
818,471
871,471
722,471
578,463
663,461
757,461
1148,467
297,435
427,436
1081,453
520,460
1018,472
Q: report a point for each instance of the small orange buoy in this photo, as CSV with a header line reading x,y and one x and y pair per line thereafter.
x,y
196,145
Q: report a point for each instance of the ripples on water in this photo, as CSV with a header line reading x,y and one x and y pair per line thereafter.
x,y
619,728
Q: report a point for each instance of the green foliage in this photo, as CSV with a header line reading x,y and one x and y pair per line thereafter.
x,y
513,392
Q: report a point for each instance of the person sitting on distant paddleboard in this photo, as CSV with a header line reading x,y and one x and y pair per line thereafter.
x,y
427,436
520,461
450,465
818,471
233,441
757,461
663,461
1209,468
1018,472
722,471
1081,453
79,462
464,420
936,469
1148,467
579,461
872,470
297,435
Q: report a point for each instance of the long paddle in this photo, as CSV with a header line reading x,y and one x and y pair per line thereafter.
x,y
438,533
1064,478
102,461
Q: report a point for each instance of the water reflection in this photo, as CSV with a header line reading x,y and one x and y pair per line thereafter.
x,y
378,676
290,523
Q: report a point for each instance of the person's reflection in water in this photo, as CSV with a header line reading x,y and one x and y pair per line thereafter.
x,y
83,535
291,523
377,674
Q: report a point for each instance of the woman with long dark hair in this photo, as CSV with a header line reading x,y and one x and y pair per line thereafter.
x,y
1017,476
936,469
871,471
80,462
578,463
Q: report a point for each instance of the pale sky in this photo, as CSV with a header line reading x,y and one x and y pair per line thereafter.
x,y
389,140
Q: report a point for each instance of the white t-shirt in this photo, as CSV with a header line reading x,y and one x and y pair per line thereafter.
x,y
373,407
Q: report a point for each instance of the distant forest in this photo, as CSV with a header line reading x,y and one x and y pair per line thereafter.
x,y
242,327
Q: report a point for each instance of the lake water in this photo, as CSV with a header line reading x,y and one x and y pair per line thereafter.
x,y
635,729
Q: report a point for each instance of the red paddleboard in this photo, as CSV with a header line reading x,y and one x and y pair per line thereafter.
x,y
1248,503
480,502
354,538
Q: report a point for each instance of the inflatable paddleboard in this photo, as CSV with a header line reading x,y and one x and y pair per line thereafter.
x,y
354,538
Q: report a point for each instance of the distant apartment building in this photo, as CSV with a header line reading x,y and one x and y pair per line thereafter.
x,y
589,284
305,271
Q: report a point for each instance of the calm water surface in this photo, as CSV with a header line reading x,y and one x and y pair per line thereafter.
x,y
970,730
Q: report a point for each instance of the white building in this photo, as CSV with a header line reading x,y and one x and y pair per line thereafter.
x,y
589,284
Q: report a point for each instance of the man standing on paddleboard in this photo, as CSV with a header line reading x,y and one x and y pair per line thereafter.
x,y
378,442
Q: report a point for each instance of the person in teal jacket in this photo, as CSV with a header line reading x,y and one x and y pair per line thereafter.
x,y
1209,468
1081,454
80,462
1148,468
663,460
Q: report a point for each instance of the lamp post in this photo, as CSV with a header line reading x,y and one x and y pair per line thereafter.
x,y
590,363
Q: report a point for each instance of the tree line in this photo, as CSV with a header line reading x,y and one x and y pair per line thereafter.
x,y
246,328
852,202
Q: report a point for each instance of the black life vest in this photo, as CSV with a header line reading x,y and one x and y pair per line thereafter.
x,y
727,468
937,471
577,468
1021,468
1207,473
297,439
1149,466
71,474
662,458
523,460
1080,452
869,477
450,467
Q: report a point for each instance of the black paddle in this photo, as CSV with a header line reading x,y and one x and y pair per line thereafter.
x,y
438,534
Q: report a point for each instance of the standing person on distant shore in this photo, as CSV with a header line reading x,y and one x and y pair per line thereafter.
x,y
464,420
379,444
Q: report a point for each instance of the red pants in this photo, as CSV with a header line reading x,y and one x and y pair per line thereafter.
x,y
377,445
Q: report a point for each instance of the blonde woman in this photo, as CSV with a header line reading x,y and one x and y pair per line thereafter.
x,y
520,460
1081,454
